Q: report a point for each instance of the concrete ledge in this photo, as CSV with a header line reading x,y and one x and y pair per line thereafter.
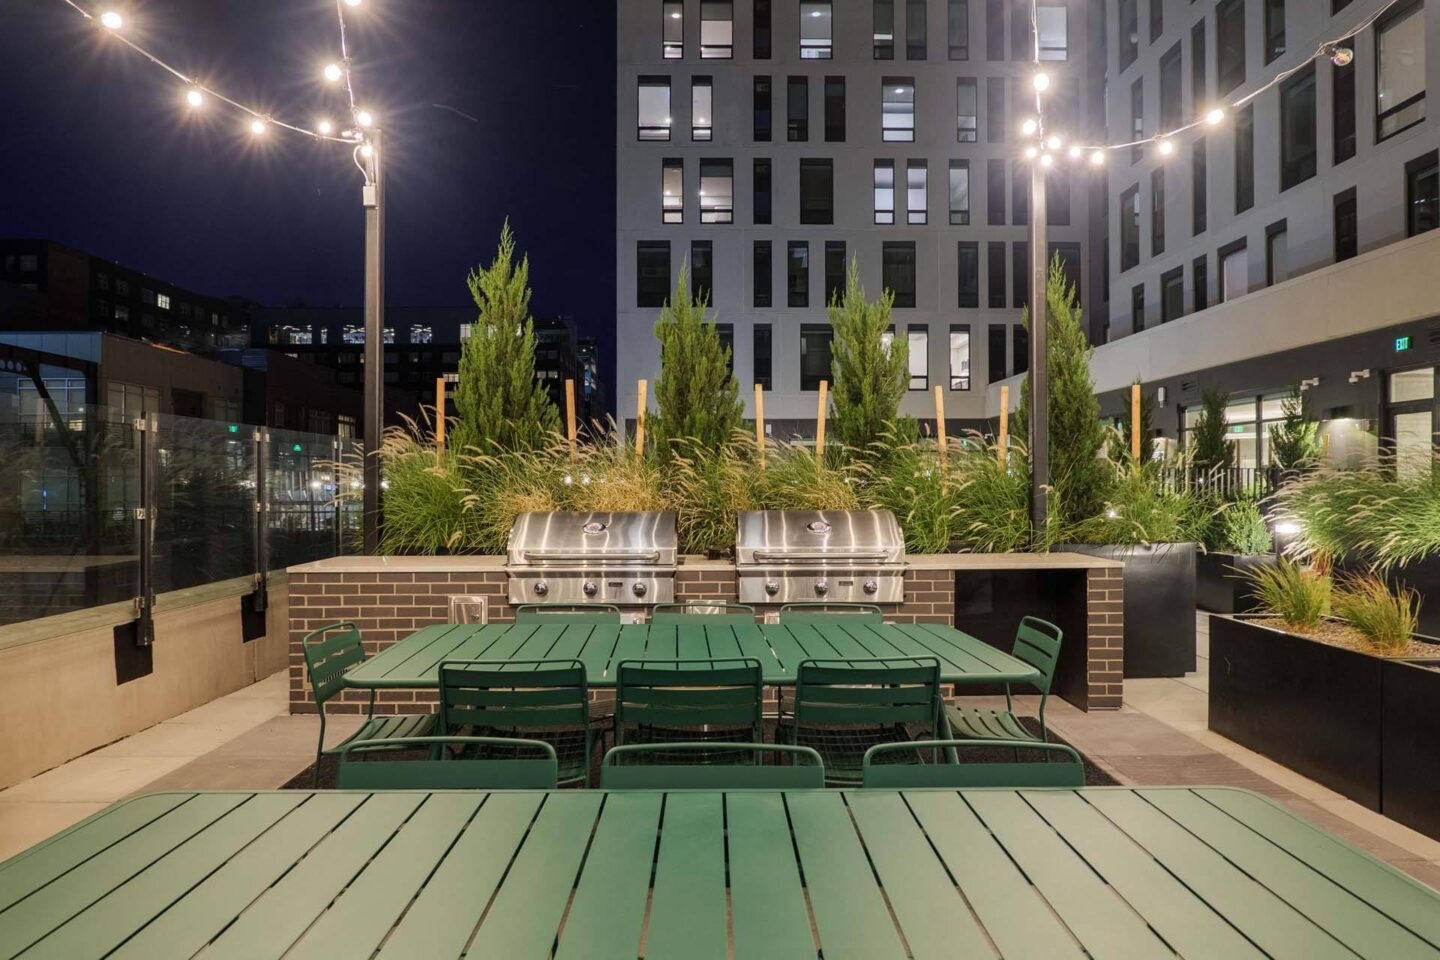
x,y
1009,561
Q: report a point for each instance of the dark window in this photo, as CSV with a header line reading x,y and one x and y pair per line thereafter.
x,y
1022,47
760,35
652,273
1057,198
1229,46
1130,228
1346,226
1069,257
1422,194
1297,128
1137,117
968,264
817,191
725,333
959,29
995,118
915,42
897,268
834,109
959,193
1157,211
797,109
760,192
994,30
815,342
672,190
797,274
763,110
1343,108
959,356
1020,274
1157,19
1170,88
996,335
1129,32
1400,70
762,269
1020,194
1137,308
995,193
1172,295
1020,348
883,19
995,274
1199,95
762,365
702,269
834,270
967,110
1245,159
1277,253
1200,283
1198,196
1274,29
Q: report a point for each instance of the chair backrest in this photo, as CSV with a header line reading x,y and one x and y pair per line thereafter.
x,y
438,771
1037,642
688,693
879,691
330,651
1070,772
469,608
819,611
567,613
513,694
615,775
702,611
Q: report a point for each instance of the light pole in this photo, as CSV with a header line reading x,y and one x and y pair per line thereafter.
x,y
1039,438
372,195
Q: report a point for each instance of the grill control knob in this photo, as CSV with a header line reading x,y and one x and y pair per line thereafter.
x,y
870,586
772,587
589,588
822,587
541,588
639,589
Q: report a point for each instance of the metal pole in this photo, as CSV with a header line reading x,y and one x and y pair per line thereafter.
x,y
374,412
261,440
1039,354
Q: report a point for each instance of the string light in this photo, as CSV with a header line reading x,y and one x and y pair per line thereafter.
x,y
1029,126
1041,81
1097,158
195,98
333,72
325,127
1076,153
352,3
1166,148
1053,142
257,126
365,118
112,20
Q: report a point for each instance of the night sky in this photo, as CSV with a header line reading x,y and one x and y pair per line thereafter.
x,y
98,150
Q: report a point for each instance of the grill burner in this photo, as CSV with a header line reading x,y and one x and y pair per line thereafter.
x,y
787,556
592,557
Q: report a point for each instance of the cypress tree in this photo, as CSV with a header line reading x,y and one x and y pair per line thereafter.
x,y
1209,447
869,378
501,404
697,395
1295,441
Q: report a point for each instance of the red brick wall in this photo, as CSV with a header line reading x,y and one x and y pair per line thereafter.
x,y
1105,593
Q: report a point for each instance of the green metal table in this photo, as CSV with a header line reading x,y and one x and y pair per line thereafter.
x,y
870,875
414,661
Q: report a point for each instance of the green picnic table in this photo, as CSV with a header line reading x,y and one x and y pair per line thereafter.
x,y
1099,872
414,661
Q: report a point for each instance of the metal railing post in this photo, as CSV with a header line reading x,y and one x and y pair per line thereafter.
x,y
261,597
147,428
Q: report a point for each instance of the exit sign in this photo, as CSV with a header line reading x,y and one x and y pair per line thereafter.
x,y
1402,343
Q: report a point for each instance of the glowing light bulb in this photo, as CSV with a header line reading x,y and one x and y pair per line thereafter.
x,y
1030,153
1028,127
1341,56
194,97
367,151
1054,143
1075,153
1097,157
1166,148
112,20
1042,81
352,3
675,15
325,127
1046,159
333,72
257,126
365,118
1214,116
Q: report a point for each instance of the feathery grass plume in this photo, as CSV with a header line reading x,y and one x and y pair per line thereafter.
x,y
608,476
707,487
906,478
1138,510
796,479
1388,619
425,498
1296,595
505,484
994,499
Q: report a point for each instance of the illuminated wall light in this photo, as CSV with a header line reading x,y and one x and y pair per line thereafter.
x,y
1214,116
333,73
111,20
194,97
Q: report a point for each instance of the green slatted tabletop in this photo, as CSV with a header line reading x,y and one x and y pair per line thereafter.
x,y
1099,872
413,662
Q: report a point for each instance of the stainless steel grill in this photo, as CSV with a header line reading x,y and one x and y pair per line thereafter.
x,y
785,556
592,557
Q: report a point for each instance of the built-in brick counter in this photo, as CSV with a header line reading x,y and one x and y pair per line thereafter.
x,y
390,597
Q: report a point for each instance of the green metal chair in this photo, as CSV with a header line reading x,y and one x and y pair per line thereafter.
x,y
1070,772
674,701
567,613
702,611
1037,643
438,770
841,708
819,611
327,658
545,700
756,775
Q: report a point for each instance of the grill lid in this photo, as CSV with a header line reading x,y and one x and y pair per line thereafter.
x,y
569,539
860,537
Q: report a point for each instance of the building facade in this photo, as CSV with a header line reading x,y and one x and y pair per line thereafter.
x,y
767,143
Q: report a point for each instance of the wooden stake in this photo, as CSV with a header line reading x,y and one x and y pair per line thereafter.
x,y
1135,422
1004,423
640,420
570,416
760,424
940,423
439,417
820,419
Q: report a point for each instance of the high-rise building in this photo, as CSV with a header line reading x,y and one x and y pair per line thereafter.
x,y
766,144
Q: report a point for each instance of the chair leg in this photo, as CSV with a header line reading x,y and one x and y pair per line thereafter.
x,y
315,782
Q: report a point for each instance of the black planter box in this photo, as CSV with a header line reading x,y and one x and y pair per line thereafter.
x,y
1219,587
1409,750
1159,606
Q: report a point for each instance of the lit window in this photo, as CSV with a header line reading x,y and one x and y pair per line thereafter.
x,y
353,333
700,116
959,356
1400,71
672,191
897,109
122,312
918,337
967,114
717,29
884,191
674,28
917,178
959,193
162,300
717,191
1052,27
815,29
387,335
1234,274
421,333
654,108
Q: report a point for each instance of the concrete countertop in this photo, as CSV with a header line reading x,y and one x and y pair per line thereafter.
x,y
932,561
364,564
1010,561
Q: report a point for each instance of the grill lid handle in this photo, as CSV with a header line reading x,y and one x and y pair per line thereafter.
x,y
650,556
766,556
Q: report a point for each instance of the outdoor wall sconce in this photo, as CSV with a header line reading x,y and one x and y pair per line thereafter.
x,y
1312,382
1357,375
1160,395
